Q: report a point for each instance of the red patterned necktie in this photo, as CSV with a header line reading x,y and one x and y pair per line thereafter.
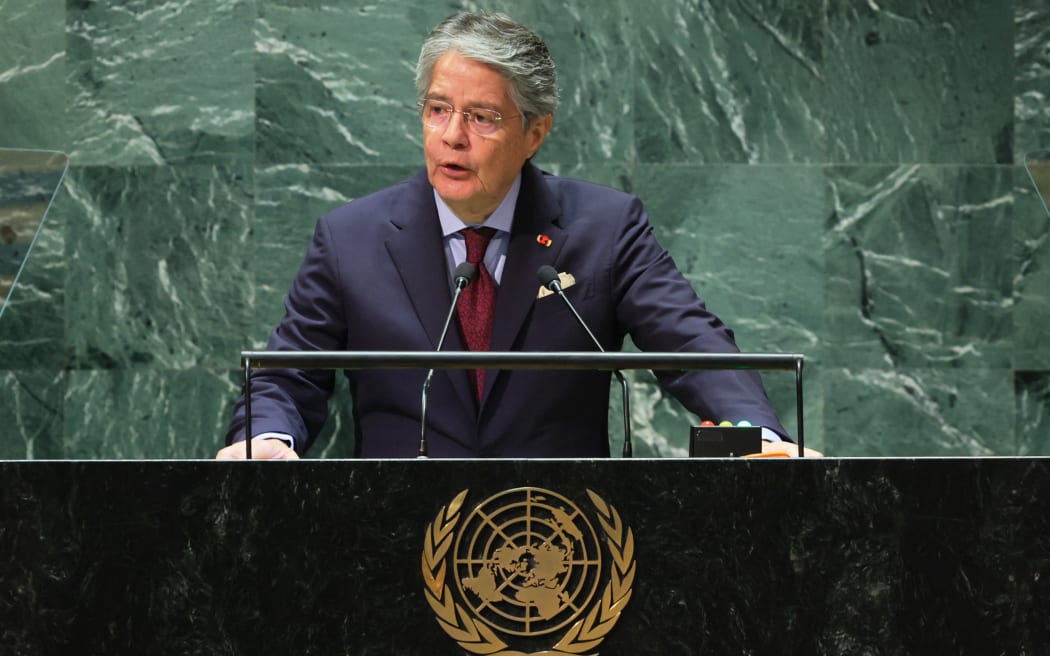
x,y
477,305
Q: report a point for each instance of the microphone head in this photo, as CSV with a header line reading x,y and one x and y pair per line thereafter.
x,y
464,274
548,277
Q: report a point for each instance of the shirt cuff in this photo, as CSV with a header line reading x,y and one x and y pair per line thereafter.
x,y
287,439
770,435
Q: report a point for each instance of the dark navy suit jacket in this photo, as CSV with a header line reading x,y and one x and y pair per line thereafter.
x,y
375,278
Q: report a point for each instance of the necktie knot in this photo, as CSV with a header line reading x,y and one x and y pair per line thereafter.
x,y
477,242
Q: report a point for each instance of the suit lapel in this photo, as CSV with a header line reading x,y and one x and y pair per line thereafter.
x,y
534,218
418,253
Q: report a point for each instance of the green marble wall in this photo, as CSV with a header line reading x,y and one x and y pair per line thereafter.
x,y
837,178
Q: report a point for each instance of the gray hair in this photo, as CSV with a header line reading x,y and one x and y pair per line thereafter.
x,y
496,40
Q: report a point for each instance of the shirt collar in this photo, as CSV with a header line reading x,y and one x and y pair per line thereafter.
x,y
501,219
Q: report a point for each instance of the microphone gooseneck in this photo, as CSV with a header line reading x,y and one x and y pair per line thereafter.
x,y
549,279
460,279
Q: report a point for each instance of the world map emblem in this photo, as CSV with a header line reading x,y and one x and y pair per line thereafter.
x,y
527,567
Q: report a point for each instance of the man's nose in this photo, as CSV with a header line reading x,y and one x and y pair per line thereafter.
x,y
456,130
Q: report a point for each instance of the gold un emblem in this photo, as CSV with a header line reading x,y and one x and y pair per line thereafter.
x,y
527,567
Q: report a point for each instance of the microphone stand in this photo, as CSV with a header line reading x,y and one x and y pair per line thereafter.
x,y
549,277
462,277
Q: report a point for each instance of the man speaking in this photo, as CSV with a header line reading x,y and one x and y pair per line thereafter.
x,y
380,270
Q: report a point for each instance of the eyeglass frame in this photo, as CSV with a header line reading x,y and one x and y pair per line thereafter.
x,y
467,113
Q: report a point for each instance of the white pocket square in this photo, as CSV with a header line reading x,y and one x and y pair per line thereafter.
x,y
566,280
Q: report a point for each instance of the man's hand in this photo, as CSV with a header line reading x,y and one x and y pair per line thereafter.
x,y
783,449
269,449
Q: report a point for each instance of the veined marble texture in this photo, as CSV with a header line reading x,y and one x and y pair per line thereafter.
x,y
157,266
1031,76
32,75
920,266
837,179
919,82
818,82
321,101
160,83
1033,412
334,82
1032,244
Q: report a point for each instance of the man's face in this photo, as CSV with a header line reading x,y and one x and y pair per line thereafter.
x,y
473,173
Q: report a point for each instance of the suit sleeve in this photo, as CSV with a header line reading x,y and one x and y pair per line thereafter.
x,y
662,312
294,401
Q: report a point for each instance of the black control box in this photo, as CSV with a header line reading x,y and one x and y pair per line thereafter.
x,y
724,441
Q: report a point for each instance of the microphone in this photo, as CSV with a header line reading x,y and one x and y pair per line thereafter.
x,y
461,278
549,279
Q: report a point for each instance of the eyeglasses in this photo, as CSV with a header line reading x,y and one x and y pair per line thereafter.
x,y
482,122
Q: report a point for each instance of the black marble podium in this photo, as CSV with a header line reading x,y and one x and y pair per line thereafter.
x,y
879,556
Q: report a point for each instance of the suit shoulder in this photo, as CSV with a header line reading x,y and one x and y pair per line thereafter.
x,y
580,200
377,207
569,187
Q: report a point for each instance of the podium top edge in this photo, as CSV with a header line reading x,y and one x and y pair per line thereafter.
x,y
517,360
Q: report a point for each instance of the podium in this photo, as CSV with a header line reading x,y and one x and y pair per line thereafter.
x,y
809,556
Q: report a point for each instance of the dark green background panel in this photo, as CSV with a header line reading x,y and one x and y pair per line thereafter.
x,y
838,179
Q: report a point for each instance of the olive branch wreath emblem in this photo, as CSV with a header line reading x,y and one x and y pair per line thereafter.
x,y
475,636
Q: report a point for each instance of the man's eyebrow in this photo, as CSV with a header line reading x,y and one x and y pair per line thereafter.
x,y
473,105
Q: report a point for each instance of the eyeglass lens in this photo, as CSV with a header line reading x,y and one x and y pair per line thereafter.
x,y
436,114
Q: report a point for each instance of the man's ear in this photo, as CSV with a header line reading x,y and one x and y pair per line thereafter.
x,y
537,131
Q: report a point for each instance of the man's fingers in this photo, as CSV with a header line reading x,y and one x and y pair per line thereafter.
x,y
783,449
233,452
261,450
